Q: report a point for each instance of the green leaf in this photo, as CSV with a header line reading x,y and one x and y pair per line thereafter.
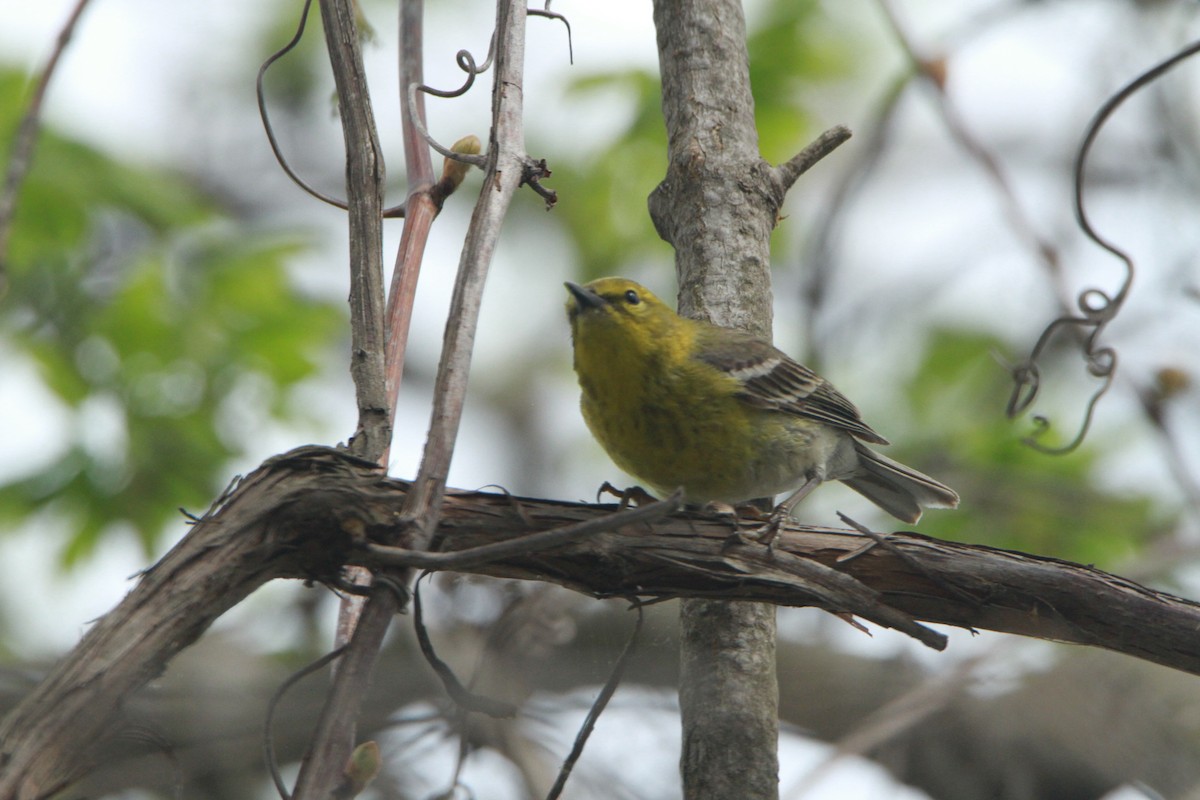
x,y
131,289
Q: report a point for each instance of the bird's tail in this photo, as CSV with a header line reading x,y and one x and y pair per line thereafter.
x,y
899,490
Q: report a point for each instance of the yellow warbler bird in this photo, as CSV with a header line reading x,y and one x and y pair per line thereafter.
x,y
678,402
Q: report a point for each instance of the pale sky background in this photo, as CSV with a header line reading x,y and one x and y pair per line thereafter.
x,y
128,85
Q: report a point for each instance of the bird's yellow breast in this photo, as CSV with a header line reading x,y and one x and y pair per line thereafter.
x,y
682,425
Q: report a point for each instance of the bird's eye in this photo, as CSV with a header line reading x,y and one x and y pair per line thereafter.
x,y
632,298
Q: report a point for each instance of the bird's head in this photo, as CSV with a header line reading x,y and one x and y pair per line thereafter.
x,y
617,309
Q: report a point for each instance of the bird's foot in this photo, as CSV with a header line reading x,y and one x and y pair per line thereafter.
x,y
766,533
763,534
631,495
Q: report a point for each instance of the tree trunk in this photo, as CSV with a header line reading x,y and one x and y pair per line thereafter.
x,y
717,207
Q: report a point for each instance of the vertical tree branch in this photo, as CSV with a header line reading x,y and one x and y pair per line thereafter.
x,y
718,203
506,163
364,193
321,771
717,207
420,209
334,738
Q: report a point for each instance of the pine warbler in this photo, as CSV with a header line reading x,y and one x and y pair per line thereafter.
x,y
678,402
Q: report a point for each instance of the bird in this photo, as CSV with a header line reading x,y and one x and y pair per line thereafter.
x,y
722,414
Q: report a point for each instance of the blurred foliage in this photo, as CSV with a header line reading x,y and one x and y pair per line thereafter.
x,y
150,313
1013,496
817,51
604,191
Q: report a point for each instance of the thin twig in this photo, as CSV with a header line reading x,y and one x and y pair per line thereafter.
x,y
462,697
391,212
467,158
421,209
791,170
365,175
505,165
915,564
1096,307
415,106
269,129
843,592
269,722
548,14
524,545
21,154
589,723
322,770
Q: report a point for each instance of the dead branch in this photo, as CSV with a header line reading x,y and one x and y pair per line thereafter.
x,y
308,513
334,735
364,182
505,161
259,533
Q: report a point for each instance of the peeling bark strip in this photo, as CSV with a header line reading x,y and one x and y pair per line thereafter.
x,y
306,513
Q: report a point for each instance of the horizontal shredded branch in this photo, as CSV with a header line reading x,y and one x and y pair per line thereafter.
x,y
308,513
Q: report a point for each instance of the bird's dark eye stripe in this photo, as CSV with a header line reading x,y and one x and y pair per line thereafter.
x,y
632,298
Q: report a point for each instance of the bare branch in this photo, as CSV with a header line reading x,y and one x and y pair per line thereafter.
x,y
420,209
307,513
21,153
476,556
790,171
334,737
506,161
364,185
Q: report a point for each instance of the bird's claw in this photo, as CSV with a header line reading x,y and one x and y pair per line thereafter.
x,y
766,533
632,495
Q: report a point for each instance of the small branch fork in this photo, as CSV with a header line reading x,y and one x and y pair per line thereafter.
x,y
506,166
415,109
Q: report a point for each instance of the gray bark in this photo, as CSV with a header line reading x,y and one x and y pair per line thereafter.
x,y
717,207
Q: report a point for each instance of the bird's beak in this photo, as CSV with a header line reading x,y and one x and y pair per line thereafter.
x,y
585,299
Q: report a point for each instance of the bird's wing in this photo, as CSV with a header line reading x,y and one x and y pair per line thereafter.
x,y
771,379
